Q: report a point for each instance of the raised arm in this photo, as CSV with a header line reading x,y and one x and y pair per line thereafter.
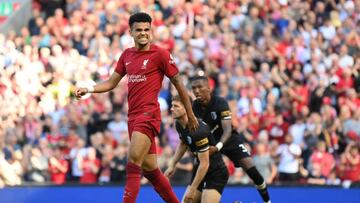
x,y
176,81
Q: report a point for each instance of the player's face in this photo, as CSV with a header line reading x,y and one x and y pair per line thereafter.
x,y
141,32
201,90
177,109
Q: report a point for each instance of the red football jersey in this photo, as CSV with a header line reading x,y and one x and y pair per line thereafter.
x,y
145,71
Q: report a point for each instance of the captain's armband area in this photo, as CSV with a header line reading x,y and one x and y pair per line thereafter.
x,y
202,145
225,115
202,142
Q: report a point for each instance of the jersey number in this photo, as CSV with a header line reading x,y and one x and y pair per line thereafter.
x,y
243,148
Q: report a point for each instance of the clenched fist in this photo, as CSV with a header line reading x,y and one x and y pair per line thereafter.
x,y
80,92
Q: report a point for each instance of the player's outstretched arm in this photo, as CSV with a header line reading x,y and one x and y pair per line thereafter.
x,y
105,86
179,153
176,81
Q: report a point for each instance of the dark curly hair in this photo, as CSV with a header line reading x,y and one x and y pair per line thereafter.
x,y
139,17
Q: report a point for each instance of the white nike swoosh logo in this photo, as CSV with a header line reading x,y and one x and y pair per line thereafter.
x,y
127,63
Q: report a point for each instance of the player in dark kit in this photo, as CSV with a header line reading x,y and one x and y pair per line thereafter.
x,y
145,66
210,174
216,113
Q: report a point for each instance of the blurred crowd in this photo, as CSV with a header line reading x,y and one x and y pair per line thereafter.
x,y
290,70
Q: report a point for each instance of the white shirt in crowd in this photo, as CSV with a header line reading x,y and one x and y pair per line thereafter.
x,y
244,105
288,162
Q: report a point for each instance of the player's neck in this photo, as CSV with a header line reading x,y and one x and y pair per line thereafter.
x,y
206,101
142,47
183,121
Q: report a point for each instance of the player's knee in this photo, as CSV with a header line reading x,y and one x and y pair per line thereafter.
x,y
246,163
136,157
210,196
150,163
139,148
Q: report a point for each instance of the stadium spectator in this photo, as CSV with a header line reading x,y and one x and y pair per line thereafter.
x,y
350,163
58,167
323,160
289,164
90,166
105,169
118,164
315,175
8,174
38,169
77,153
264,163
183,171
117,126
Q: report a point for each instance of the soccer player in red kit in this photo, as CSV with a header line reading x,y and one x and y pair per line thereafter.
x,y
145,66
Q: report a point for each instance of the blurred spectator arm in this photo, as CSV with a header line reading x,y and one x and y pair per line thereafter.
x,y
79,161
273,173
276,76
95,167
303,172
61,167
352,160
35,162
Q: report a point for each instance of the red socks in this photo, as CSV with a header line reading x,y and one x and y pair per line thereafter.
x,y
133,175
161,185
158,180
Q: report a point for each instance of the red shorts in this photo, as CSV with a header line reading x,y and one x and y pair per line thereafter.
x,y
148,126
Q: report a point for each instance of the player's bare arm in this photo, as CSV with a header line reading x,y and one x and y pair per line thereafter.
x,y
179,153
105,86
226,126
200,174
176,81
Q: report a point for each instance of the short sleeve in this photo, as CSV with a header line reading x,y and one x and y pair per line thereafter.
x,y
178,130
201,138
120,66
202,144
169,67
224,110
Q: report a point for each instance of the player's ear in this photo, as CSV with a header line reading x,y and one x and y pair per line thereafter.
x,y
130,29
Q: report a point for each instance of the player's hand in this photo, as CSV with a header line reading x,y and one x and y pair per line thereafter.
x,y
80,91
212,150
169,171
190,195
193,123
